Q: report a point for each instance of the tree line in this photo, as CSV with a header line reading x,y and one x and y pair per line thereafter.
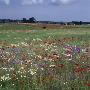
x,y
33,20
24,20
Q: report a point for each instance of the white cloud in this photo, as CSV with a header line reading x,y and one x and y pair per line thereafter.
x,y
7,2
62,1
66,1
57,2
30,2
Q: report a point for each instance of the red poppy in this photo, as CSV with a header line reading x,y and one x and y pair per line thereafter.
x,y
77,70
87,84
61,65
88,67
76,64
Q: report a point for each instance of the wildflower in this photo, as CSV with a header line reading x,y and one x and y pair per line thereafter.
x,y
46,49
61,65
14,45
33,71
83,57
24,44
87,84
1,85
52,66
39,56
34,39
64,83
5,77
76,49
24,76
83,62
21,76
38,39
77,70
13,84
42,68
19,71
11,68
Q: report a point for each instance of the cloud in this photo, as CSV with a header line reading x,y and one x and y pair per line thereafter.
x,y
54,2
30,2
65,2
7,2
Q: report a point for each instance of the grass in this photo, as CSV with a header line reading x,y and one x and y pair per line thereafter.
x,y
18,33
45,59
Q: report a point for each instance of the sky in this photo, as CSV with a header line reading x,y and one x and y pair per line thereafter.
x,y
48,10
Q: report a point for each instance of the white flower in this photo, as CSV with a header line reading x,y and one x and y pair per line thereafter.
x,y
70,59
13,84
21,76
1,85
42,68
24,44
24,76
14,45
11,68
5,77
39,56
22,68
33,71
46,49
52,66
18,71
34,39
38,39
64,83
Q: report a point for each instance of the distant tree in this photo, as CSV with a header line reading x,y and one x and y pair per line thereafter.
x,y
77,22
32,20
24,20
81,22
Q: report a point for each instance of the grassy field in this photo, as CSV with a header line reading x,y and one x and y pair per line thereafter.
x,y
19,33
33,58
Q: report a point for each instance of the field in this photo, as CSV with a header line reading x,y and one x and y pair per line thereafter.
x,y
51,58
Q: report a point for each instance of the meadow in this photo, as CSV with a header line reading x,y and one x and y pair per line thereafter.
x,y
37,58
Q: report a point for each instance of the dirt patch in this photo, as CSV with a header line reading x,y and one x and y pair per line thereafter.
x,y
23,31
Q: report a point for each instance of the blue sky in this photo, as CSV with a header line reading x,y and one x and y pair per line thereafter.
x,y
53,10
